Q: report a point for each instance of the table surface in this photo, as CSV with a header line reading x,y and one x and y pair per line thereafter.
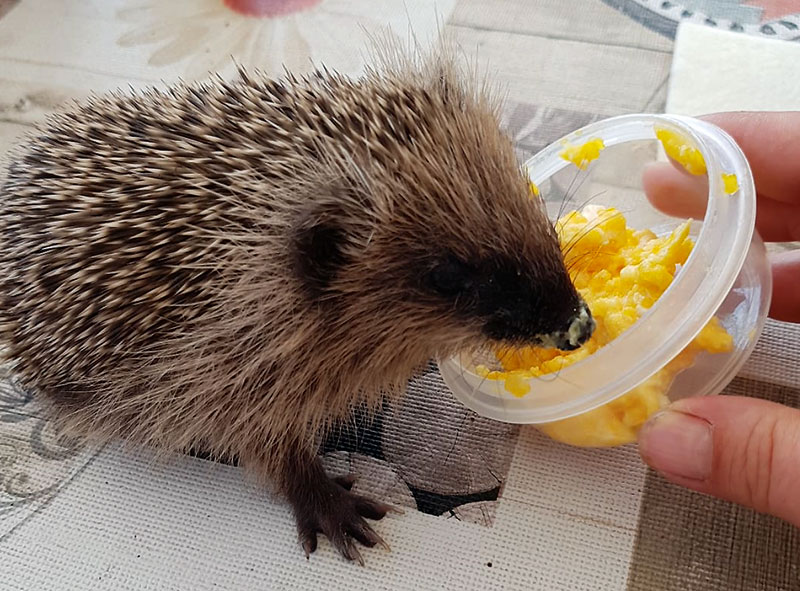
x,y
490,506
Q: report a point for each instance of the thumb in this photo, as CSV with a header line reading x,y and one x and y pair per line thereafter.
x,y
739,449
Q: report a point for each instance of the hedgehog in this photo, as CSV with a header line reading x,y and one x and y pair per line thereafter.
x,y
235,265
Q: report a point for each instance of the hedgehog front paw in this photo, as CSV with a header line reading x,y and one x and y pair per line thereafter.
x,y
333,510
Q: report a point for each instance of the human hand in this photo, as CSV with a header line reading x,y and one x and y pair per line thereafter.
x,y
740,449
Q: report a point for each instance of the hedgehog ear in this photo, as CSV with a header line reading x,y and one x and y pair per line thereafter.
x,y
319,242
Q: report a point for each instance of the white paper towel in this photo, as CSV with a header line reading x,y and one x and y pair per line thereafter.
x,y
714,70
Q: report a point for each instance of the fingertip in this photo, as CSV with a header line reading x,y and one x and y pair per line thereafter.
x,y
785,304
678,444
674,192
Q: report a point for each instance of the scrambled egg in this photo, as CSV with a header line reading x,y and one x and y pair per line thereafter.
x,y
681,151
582,155
730,182
620,272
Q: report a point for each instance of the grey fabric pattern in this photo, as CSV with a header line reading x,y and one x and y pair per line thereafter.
x,y
693,542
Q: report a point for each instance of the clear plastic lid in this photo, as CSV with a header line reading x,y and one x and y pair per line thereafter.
x,y
726,274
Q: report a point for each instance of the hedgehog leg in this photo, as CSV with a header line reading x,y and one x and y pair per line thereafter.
x,y
327,506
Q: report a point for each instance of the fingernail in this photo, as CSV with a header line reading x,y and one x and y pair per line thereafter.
x,y
679,444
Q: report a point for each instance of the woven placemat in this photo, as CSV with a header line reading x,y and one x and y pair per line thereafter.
x,y
488,506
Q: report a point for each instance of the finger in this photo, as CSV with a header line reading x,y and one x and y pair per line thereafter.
x,y
785,286
679,194
674,192
771,143
739,449
778,221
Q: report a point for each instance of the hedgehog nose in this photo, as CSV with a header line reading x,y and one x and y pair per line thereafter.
x,y
581,328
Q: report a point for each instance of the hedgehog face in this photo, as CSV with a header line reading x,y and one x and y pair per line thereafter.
x,y
443,281
433,234
513,302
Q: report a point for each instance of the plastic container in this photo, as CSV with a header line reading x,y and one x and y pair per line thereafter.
x,y
726,275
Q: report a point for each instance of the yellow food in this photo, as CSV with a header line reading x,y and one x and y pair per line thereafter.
x,y
534,188
680,149
583,154
730,182
620,272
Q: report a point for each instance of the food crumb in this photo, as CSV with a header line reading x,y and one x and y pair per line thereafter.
x,y
730,182
517,385
583,154
680,150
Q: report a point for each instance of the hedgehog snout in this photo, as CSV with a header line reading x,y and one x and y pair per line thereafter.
x,y
579,329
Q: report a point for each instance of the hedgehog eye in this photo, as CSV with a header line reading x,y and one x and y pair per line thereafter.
x,y
319,255
450,277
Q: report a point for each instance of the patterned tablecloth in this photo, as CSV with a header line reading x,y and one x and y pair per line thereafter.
x,y
490,506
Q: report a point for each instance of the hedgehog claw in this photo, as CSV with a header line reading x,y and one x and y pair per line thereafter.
x,y
339,514
309,542
346,482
